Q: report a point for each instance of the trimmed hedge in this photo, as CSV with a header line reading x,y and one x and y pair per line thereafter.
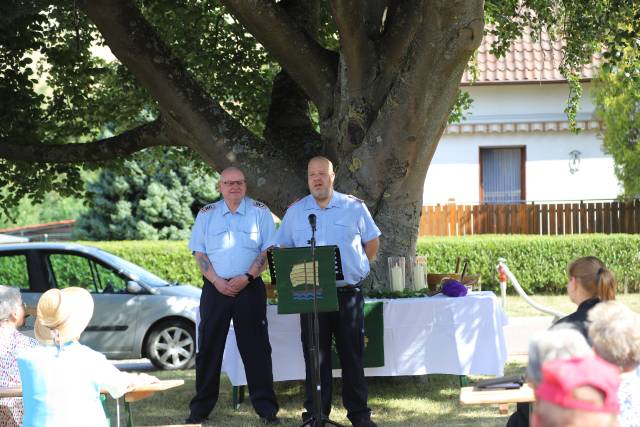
x,y
538,262
168,259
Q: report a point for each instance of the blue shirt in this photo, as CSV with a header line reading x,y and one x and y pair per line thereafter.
x,y
345,222
232,241
61,387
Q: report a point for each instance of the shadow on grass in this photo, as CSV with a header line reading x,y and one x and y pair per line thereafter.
x,y
430,400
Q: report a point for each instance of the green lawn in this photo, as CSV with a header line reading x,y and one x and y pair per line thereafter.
x,y
517,307
430,400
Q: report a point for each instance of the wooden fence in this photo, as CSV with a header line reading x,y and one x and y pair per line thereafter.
x,y
532,218
50,231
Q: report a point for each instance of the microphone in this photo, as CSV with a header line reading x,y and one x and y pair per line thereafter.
x,y
312,221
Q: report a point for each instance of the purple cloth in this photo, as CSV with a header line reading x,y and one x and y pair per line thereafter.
x,y
453,288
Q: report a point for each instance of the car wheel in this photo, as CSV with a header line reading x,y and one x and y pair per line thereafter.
x,y
172,345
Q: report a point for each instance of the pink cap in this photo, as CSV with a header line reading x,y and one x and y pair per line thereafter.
x,y
561,377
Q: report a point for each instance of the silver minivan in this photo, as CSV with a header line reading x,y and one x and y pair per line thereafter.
x,y
137,314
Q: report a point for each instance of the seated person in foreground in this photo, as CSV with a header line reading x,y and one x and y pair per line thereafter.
x,y
12,315
577,392
589,283
615,334
558,344
61,380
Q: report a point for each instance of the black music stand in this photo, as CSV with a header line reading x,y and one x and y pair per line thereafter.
x,y
286,264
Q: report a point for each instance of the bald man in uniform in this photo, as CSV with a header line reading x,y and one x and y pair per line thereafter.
x,y
229,241
345,221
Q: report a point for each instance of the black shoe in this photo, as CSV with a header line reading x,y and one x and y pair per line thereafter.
x,y
270,421
195,420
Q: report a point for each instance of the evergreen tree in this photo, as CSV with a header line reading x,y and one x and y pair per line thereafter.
x,y
148,200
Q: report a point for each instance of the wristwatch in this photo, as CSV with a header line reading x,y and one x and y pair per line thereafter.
x,y
249,276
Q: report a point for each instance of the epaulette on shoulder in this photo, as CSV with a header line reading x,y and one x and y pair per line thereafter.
x,y
294,202
208,208
352,197
258,204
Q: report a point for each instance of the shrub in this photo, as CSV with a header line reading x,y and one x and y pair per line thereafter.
x,y
170,260
538,262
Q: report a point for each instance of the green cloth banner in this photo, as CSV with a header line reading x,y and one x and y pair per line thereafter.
x,y
373,338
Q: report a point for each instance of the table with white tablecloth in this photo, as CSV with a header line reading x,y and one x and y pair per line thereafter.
x,y
429,335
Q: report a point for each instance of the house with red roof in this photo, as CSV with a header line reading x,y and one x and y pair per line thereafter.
x,y
515,143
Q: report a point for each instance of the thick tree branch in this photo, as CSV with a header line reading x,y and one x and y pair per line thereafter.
x,y
400,29
414,113
193,118
138,46
119,146
357,48
306,61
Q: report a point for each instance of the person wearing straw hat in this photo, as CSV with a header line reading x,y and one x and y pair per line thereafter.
x,y
62,379
12,315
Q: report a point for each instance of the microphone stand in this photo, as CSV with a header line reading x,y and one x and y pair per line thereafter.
x,y
318,419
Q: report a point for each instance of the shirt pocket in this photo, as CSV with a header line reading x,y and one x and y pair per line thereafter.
x,y
249,236
347,232
302,235
217,237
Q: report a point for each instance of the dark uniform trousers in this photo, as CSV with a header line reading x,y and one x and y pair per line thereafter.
x,y
248,311
347,326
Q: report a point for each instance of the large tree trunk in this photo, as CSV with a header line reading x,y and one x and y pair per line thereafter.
x,y
387,139
383,100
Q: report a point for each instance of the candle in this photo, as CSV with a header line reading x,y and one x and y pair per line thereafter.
x,y
396,278
418,277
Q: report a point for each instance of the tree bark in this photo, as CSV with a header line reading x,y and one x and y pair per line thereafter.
x,y
383,100
148,135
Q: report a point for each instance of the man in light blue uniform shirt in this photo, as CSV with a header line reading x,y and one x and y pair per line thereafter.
x,y
345,221
229,240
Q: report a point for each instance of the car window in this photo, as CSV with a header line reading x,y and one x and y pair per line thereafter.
x,y
72,270
14,271
136,272
108,280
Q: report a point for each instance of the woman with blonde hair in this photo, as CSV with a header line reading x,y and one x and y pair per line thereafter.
x,y
590,282
615,334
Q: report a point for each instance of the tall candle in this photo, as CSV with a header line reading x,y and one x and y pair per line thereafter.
x,y
396,278
418,277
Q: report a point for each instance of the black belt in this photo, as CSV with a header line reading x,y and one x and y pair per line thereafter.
x,y
250,281
349,289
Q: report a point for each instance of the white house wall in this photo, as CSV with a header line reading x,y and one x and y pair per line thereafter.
x,y
454,171
523,101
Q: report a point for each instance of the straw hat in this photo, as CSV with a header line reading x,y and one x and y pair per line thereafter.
x,y
63,315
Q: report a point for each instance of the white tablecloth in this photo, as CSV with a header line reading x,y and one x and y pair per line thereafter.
x,y
436,335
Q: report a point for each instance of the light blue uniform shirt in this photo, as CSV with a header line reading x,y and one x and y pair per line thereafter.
x,y
232,241
345,222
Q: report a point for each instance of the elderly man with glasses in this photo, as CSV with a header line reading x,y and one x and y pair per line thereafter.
x,y
12,315
229,240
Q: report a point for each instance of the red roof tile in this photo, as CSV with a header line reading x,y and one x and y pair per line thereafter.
x,y
526,61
